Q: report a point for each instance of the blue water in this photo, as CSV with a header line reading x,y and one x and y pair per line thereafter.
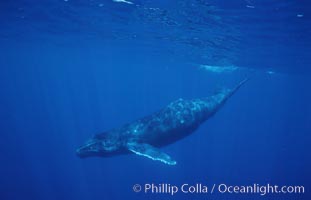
x,y
71,69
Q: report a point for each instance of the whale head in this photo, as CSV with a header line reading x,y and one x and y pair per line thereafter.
x,y
103,147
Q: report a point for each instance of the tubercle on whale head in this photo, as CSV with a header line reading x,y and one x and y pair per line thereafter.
x,y
103,147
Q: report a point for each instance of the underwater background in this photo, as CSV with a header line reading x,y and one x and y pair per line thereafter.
x,y
72,68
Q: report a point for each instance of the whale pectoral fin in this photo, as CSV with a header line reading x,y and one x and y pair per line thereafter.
x,y
151,152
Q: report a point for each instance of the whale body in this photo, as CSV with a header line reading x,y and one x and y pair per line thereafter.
x,y
145,136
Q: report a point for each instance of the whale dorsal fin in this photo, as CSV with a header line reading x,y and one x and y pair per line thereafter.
x,y
151,152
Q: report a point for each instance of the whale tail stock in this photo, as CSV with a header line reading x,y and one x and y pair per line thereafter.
x,y
219,99
229,92
237,87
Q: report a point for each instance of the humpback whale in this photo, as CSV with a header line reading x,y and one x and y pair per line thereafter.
x,y
145,136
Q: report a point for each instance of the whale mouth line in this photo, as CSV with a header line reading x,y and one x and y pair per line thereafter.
x,y
85,151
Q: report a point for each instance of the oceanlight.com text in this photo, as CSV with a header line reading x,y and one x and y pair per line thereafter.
x,y
200,188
